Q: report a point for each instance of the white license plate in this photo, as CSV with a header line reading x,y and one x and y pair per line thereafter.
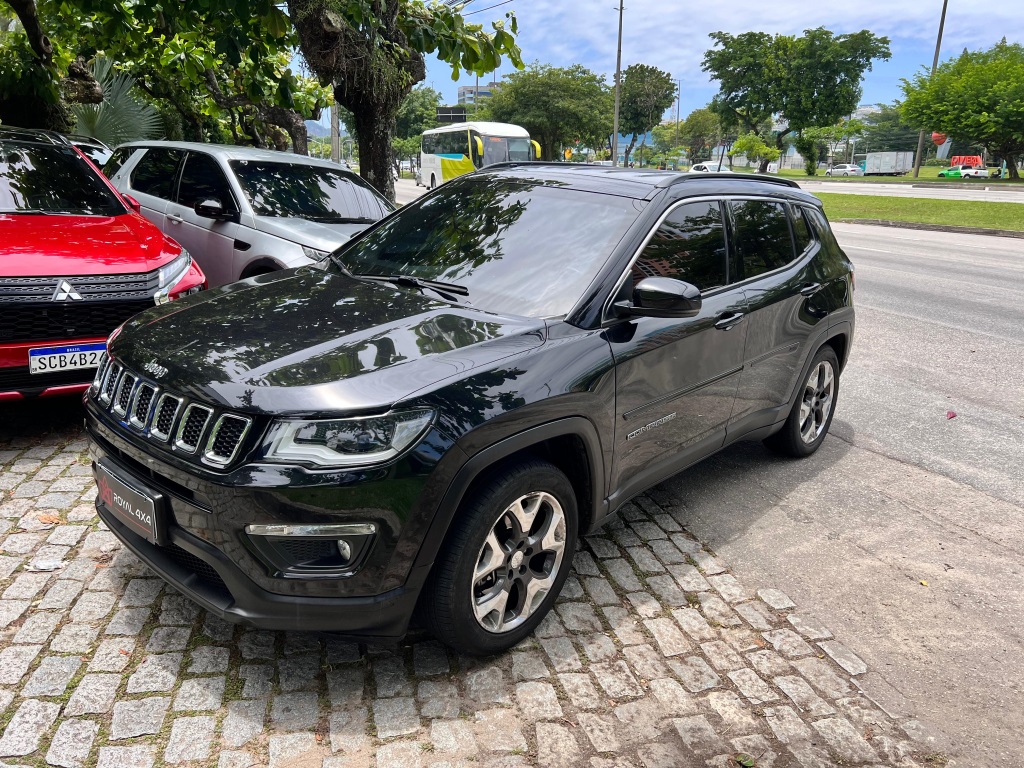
x,y
53,359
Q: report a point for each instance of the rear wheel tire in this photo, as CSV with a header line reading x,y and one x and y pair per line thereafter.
x,y
811,416
505,560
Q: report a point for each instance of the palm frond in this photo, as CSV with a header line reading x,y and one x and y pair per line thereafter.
x,y
121,116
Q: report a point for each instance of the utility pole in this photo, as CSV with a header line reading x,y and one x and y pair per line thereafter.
x,y
335,135
618,84
679,96
935,65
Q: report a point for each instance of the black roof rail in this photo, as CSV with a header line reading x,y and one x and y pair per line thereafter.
x,y
33,134
729,176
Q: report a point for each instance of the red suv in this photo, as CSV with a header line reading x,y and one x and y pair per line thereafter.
x,y
76,260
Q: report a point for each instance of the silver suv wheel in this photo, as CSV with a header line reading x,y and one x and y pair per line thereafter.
x,y
519,562
816,404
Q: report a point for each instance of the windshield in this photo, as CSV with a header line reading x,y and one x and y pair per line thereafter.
x,y
498,149
52,179
518,247
308,192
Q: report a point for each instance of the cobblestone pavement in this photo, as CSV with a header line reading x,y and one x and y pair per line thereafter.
x,y
656,656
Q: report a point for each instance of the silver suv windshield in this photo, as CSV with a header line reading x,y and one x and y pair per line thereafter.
x,y
309,192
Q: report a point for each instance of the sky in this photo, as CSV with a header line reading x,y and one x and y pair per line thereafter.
x,y
672,35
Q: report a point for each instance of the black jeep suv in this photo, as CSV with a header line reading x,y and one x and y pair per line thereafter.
x,y
429,418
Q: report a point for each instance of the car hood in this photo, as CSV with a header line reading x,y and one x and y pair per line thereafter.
x,y
311,342
66,246
312,234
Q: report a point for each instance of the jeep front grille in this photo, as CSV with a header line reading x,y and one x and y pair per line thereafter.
x,y
189,429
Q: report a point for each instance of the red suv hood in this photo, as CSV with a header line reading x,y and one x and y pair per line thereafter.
x,y
80,245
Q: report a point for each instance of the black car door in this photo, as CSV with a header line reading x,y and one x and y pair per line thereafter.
x,y
676,377
772,249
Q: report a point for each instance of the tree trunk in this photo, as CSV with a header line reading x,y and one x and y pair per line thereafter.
x,y
37,39
629,151
763,165
375,128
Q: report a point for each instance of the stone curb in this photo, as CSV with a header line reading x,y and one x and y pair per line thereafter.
x,y
934,227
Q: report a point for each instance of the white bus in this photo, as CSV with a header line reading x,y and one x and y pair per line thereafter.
x,y
459,148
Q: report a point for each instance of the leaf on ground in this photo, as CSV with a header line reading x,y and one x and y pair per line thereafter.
x,y
742,758
924,583
49,519
950,414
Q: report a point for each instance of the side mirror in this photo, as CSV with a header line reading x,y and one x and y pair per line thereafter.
x,y
211,208
661,297
132,203
536,149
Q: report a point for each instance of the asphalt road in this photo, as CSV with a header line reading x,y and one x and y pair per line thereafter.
x,y
406,191
905,533
992,193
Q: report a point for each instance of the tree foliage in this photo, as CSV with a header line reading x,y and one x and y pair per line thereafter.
x,y
418,113
558,106
887,131
978,97
121,116
833,135
372,52
805,81
646,93
753,147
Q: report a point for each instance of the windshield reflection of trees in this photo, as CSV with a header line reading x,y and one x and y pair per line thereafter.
x,y
448,237
314,328
51,179
762,231
303,191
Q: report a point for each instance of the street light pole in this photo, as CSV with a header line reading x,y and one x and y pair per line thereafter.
x,y
679,96
618,83
935,65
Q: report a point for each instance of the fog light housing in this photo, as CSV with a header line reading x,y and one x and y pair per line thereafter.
x,y
312,550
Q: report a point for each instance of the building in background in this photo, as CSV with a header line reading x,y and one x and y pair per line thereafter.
x,y
473,94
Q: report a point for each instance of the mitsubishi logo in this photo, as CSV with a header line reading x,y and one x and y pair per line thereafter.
x,y
66,292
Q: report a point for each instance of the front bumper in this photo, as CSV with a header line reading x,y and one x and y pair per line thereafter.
x,y
17,383
206,576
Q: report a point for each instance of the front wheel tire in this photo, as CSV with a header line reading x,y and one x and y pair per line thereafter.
x,y
505,561
811,416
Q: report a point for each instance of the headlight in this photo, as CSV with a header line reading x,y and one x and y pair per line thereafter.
x,y
170,274
313,253
346,442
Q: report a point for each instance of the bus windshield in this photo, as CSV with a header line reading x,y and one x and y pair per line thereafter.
x,y
499,149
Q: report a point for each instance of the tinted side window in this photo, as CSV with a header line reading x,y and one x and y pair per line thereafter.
x,y
156,171
688,246
801,232
763,242
202,179
120,156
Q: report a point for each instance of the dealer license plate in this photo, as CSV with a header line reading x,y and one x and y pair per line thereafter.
x,y
53,359
130,501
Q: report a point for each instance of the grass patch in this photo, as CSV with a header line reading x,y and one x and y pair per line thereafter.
x,y
920,210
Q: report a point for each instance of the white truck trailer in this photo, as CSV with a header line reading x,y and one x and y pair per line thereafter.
x,y
888,163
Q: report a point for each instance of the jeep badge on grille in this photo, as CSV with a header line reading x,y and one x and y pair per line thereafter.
x,y
154,369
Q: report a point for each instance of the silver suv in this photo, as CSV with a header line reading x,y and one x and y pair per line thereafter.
x,y
241,211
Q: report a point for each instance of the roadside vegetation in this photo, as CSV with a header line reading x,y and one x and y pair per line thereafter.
x,y
919,210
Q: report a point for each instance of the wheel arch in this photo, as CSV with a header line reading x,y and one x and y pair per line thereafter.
x,y
260,266
572,444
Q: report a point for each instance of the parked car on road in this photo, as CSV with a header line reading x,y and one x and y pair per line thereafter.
x,y
844,169
242,211
964,172
709,168
431,417
76,260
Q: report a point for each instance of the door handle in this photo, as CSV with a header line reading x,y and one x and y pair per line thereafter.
x,y
175,218
809,289
728,320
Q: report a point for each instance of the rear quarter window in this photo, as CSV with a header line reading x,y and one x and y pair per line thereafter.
x,y
763,241
156,172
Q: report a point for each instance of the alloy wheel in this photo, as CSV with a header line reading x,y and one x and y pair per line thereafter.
x,y
816,404
519,562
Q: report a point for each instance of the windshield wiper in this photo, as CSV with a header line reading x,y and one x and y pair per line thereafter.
x,y
340,219
447,291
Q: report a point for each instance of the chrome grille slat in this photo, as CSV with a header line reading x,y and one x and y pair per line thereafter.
x,y
101,372
123,395
193,424
225,439
110,382
164,415
142,403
